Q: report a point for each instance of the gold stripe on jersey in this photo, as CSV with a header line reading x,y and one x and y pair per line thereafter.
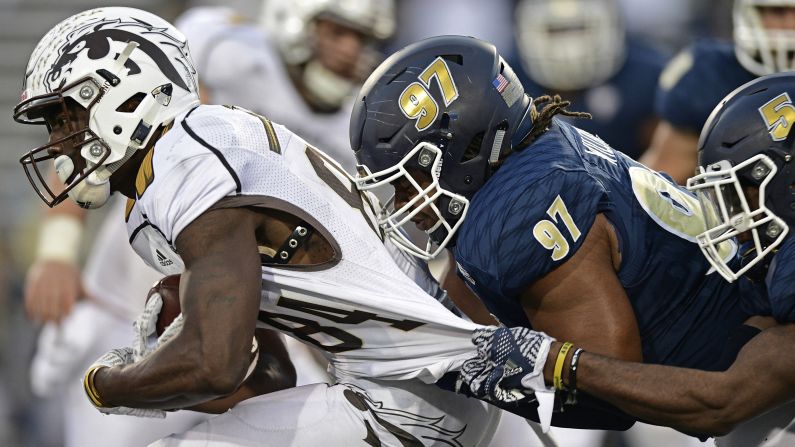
x,y
273,141
144,178
146,174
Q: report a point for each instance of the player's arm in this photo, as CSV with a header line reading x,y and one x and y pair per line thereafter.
x,y
693,400
274,372
673,151
583,301
219,297
52,283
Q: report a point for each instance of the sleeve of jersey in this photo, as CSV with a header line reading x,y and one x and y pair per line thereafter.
x,y
545,226
189,189
678,90
781,283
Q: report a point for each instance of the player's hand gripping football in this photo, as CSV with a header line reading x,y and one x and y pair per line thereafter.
x,y
159,322
509,367
114,357
161,318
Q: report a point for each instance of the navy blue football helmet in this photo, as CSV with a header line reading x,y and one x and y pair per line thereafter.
x,y
746,178
448,107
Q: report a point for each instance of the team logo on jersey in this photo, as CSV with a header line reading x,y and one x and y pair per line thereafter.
x,y
398,423
779,116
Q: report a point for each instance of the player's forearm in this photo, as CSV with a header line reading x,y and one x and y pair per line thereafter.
x,y
686,399
693,400
171,377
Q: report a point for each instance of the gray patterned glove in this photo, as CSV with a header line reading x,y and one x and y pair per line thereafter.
x,y
509,367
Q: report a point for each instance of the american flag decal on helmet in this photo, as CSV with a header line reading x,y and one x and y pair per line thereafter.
x,y
500,83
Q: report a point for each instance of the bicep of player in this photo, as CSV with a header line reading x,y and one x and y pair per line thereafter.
x,y
220,291
582,300
673,151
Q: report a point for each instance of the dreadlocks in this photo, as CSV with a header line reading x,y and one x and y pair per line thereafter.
x,y
556,106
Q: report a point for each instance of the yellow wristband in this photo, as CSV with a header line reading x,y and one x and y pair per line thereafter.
x,y
91,390
557,381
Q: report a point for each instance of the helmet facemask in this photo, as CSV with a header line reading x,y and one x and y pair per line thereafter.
x,y
448,208
729,214
80,138
762,50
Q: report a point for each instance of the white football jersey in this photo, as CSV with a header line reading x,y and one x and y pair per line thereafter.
x,y
361,309
238,64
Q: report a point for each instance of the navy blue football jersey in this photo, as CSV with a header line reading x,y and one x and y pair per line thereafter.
x,y
536,210
780,281
623,106
695,82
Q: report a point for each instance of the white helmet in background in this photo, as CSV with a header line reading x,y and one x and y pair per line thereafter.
x,y
289,21
569,45
762,50
129,69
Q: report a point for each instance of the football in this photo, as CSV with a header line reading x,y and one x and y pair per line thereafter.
x,y
168,288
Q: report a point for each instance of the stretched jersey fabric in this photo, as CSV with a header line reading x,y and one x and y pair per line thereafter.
x,y
622,106
259,81
536,210
695,81
369,318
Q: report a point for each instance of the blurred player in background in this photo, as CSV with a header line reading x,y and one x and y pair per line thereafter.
x,y
579,49
300,65
265,230
696,80
746,152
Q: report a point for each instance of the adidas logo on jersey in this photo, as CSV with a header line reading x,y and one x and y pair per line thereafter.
x,y
163,259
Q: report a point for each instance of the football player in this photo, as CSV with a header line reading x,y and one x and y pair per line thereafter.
x,y
579,49
303,62
266,231
745,154
550,227
696,80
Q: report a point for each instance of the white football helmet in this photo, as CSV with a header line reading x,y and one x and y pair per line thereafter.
x,y
289,21
759,49
129,69
570,45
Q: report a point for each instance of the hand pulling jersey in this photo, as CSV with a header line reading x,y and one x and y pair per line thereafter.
x,y
370,319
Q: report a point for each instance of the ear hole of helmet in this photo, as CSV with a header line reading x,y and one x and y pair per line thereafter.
x,y
132,103
473,149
